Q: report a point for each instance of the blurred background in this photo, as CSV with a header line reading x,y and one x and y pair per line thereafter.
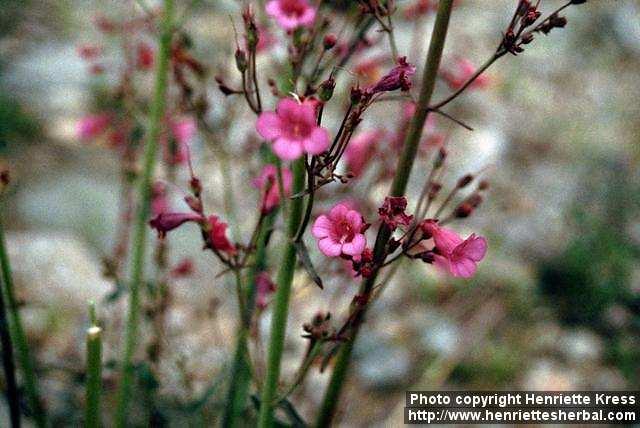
x,y
556,304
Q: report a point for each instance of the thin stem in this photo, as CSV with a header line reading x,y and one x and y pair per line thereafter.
x,y
140,227
19,337
398,188
94,372
13,396
302,371
281,304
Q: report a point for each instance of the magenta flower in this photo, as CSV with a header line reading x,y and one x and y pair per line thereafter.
x,y
166,222
264,287
92,126
291,14
397,78
183,132
293,129
267,181
360,149
461,72
340,232
218,235
454,255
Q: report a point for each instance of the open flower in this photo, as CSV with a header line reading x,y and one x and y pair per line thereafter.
x,y
218,235
291,14
293,129
340,232
453,254
93,126
267,181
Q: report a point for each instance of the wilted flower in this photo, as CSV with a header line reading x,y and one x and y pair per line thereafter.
x,y
392,212
267,181
293,129
291,14
340,232
397,78
453,254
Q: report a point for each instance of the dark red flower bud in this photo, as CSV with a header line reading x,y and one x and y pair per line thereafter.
x,y
329,41
464,181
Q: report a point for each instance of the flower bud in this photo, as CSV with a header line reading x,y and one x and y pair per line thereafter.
x,y
241,60
326,89
329,41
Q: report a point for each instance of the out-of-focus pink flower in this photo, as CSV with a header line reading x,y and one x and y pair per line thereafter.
x,y
340,232
392,212
264,287
89,52
265,39
361,149
267,181
166,222
293,129
454,255
218,235
145,56
291,14
183,132
92,126
369,70
159,200
419,8
397,78
462,71
182,269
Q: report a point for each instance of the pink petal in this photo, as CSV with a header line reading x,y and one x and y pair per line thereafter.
x,y
273,8
446,239
355,219
288,108
307,17
463,267
356,246
321,227
269,125
474,247
287,149
338,212
329,247
318,142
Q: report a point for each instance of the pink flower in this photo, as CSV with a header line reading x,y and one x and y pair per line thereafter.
x,y
166,222
92,126
264,287
360,149
454,255
340,232
461,72
218,235
291,14
397,78
267,181
183,132
145,55
293,129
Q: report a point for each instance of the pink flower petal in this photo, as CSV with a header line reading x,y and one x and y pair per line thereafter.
x,y
269,125
338,212
321,227
463,268
474,247
318,142
355,219
356,246
273,8
446,239
287,149
288,108
329,247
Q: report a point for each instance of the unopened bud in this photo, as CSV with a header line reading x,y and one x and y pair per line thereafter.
x,y
329,41
464,181
326,89
241,60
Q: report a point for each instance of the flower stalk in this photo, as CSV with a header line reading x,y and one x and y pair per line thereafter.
x,y
13,396
19,337
94,371
398,188
140,226
281,304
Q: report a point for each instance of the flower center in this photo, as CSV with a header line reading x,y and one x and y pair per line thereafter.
x,y
345,231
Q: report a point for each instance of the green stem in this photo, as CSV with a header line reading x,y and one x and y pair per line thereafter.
x,y
140,227
398,187
19,337
281,307
94,372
